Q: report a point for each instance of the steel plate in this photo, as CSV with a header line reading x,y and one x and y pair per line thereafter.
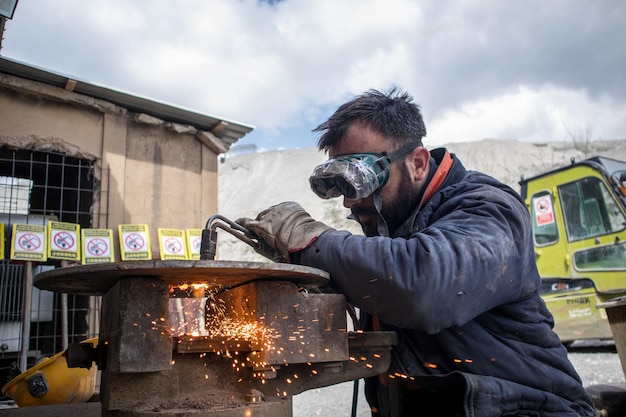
x,y
98,279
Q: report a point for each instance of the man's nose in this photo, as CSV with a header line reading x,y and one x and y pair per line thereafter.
x,y
351,202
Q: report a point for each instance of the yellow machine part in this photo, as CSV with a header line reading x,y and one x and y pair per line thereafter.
x,y
52,382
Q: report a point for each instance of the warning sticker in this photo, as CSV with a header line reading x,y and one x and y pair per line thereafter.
x,y
63,241
29,243
544,211
97,246
172,244
194,238
134,242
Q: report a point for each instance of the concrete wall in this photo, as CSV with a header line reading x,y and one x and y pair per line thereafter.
x,y
151,171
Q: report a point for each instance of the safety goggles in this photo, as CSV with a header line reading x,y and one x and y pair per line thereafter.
x,y
355,176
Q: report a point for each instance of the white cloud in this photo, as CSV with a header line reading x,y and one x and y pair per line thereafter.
x,y
478,69
535,115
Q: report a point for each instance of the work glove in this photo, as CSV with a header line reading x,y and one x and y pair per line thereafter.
x,y
286,227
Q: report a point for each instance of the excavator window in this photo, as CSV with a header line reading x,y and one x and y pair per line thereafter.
x,y
589,210
607,257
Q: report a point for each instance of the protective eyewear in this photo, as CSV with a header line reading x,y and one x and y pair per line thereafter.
x,y
355,176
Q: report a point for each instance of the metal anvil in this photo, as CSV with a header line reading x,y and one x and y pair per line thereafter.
x,y
299,338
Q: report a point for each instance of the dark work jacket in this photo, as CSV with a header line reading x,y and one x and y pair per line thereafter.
x,y
459,284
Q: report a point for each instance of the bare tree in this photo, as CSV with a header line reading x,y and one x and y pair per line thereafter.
x,y
582,137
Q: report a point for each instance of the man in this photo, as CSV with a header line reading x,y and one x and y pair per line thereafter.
x,y
447,261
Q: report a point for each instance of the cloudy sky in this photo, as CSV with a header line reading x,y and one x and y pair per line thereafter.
x,y
529,70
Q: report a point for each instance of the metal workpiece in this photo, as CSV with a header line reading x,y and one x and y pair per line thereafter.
x,y
134,326
291,325
264,332
369,355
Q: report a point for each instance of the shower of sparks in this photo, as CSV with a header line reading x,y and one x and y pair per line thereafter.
x,y
207,315
206,322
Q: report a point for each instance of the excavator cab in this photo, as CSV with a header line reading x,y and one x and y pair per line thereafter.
x,y
579,226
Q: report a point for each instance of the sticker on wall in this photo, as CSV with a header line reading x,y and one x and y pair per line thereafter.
x,y
63,241
134,242
97,246
29,243
194,238
172,244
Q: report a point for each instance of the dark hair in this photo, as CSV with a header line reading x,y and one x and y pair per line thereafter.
x,y
390,113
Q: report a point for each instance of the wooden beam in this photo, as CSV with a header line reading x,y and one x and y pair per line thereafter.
x,y
70,84
212,142
218,128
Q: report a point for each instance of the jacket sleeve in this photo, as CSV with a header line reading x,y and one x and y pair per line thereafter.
x,y
475,255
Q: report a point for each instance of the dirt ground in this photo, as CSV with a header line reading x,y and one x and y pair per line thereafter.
x,y
596,363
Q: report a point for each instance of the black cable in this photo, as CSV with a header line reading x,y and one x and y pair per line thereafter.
x,y
355,396
355,388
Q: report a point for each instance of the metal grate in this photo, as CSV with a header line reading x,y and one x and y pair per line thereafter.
x,y
11,292
36,186
59,185
14,195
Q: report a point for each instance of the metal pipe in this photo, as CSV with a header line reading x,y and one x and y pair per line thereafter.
x,y
64,322
64,319
28,290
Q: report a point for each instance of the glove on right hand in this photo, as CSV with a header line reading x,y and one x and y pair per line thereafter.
x,y
286,227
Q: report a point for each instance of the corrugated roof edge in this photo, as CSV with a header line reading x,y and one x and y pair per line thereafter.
x,y
230,133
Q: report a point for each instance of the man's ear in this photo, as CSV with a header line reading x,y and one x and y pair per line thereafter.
x,y
419,164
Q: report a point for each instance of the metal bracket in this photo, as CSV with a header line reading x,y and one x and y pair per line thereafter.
x,y
85,355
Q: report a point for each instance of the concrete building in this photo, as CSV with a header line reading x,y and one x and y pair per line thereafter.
x,y
82,153
153,163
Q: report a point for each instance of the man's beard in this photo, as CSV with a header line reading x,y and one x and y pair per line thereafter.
x,y
398,211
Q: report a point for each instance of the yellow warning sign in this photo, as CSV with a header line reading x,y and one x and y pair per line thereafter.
x,y
134,242
29,243
172,244
194,237
97,246
63,241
